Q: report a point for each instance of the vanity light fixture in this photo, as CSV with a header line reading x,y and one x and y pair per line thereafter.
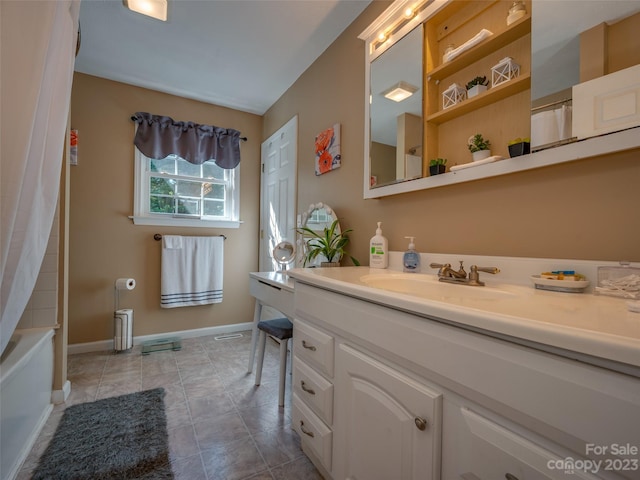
x,y
400,91
152,8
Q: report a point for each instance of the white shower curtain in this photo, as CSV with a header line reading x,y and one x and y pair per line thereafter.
x,y
38,41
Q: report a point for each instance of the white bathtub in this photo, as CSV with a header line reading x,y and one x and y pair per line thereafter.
x,y
26,380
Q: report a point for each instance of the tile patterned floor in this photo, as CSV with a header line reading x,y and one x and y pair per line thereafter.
x,y
221,426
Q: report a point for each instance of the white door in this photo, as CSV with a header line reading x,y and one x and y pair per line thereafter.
x,y
386,425
278,192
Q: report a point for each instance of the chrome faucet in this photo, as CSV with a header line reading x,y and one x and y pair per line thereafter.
x,y
449,275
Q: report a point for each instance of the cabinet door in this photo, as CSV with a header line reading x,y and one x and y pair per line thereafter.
x,y
387,425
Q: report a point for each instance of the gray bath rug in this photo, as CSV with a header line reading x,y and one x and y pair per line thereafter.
x,y
121,437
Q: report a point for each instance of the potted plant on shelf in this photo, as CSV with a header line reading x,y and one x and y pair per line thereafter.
x,y
476,86
328,244
437,166
519,146
479,147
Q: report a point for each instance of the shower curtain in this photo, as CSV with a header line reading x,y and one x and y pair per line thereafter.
x,y
38,40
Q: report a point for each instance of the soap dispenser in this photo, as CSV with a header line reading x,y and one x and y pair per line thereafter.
x,y
411,258
378,248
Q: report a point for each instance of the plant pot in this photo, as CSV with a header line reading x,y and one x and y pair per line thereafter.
x,y
475,90
481,155
437,169
517,149
329,264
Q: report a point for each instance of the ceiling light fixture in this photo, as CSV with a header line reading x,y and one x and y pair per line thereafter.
x,y
152,8
400,91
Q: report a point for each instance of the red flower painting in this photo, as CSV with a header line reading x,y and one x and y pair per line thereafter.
x,y
327,150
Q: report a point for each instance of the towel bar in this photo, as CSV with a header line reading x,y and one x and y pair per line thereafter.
x,y
158,237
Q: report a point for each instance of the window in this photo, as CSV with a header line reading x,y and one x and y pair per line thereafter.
x,y
175,192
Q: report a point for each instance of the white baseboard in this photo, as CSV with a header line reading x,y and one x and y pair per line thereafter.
x,y
60,396
198,332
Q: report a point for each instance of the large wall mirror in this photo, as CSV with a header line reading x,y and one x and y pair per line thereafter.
x,y
555,67
396,112
555,40
555,61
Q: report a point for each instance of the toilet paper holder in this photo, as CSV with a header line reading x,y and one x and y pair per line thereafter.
x,y
121,284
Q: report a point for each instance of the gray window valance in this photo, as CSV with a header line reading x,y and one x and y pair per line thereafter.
x,y
158,137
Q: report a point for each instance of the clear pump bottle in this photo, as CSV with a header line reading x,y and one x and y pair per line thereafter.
x,y
411,258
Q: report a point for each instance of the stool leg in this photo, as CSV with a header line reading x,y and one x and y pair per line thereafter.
x,y
262,341
283,371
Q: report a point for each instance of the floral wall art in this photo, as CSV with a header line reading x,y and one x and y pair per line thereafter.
x,y
327,148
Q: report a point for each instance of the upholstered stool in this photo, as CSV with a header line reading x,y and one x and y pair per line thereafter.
x,y
282,330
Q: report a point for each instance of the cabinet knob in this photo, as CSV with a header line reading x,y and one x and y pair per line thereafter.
x,y
307,346
421,423
305,431
304,387
508,476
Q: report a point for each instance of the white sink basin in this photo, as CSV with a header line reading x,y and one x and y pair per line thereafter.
x,y
428,286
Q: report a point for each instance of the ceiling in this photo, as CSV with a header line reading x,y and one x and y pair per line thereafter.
x,y
242,54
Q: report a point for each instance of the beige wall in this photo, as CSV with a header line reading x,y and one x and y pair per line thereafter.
x,y
105,244
585,210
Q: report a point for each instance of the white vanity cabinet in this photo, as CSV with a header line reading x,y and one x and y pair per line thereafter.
x,y
491,408
387,425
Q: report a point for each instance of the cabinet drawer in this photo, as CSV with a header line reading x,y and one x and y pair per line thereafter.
x,y
313,432
313,346
489,451
313,389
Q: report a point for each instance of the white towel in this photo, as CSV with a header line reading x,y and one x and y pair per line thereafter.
x,y
453,168
192,271
171,241
480,36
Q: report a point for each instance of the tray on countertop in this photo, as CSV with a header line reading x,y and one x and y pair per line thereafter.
x,y
554,285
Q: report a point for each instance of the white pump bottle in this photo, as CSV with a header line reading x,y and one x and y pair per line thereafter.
x,y
379,250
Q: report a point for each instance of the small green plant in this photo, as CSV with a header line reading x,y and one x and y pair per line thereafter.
x,y
478,81
328,243
437,161
476,143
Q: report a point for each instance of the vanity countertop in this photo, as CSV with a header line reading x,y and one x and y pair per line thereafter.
x,y
594,326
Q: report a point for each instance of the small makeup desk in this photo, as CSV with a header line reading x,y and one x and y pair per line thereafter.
x,y
275,290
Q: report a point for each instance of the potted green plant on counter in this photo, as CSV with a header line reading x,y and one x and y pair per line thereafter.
x,y
519,146
479,147
328,245
476,86
437,166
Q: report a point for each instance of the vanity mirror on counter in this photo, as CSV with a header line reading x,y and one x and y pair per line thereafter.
x,y
284,253
318,217
545,32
